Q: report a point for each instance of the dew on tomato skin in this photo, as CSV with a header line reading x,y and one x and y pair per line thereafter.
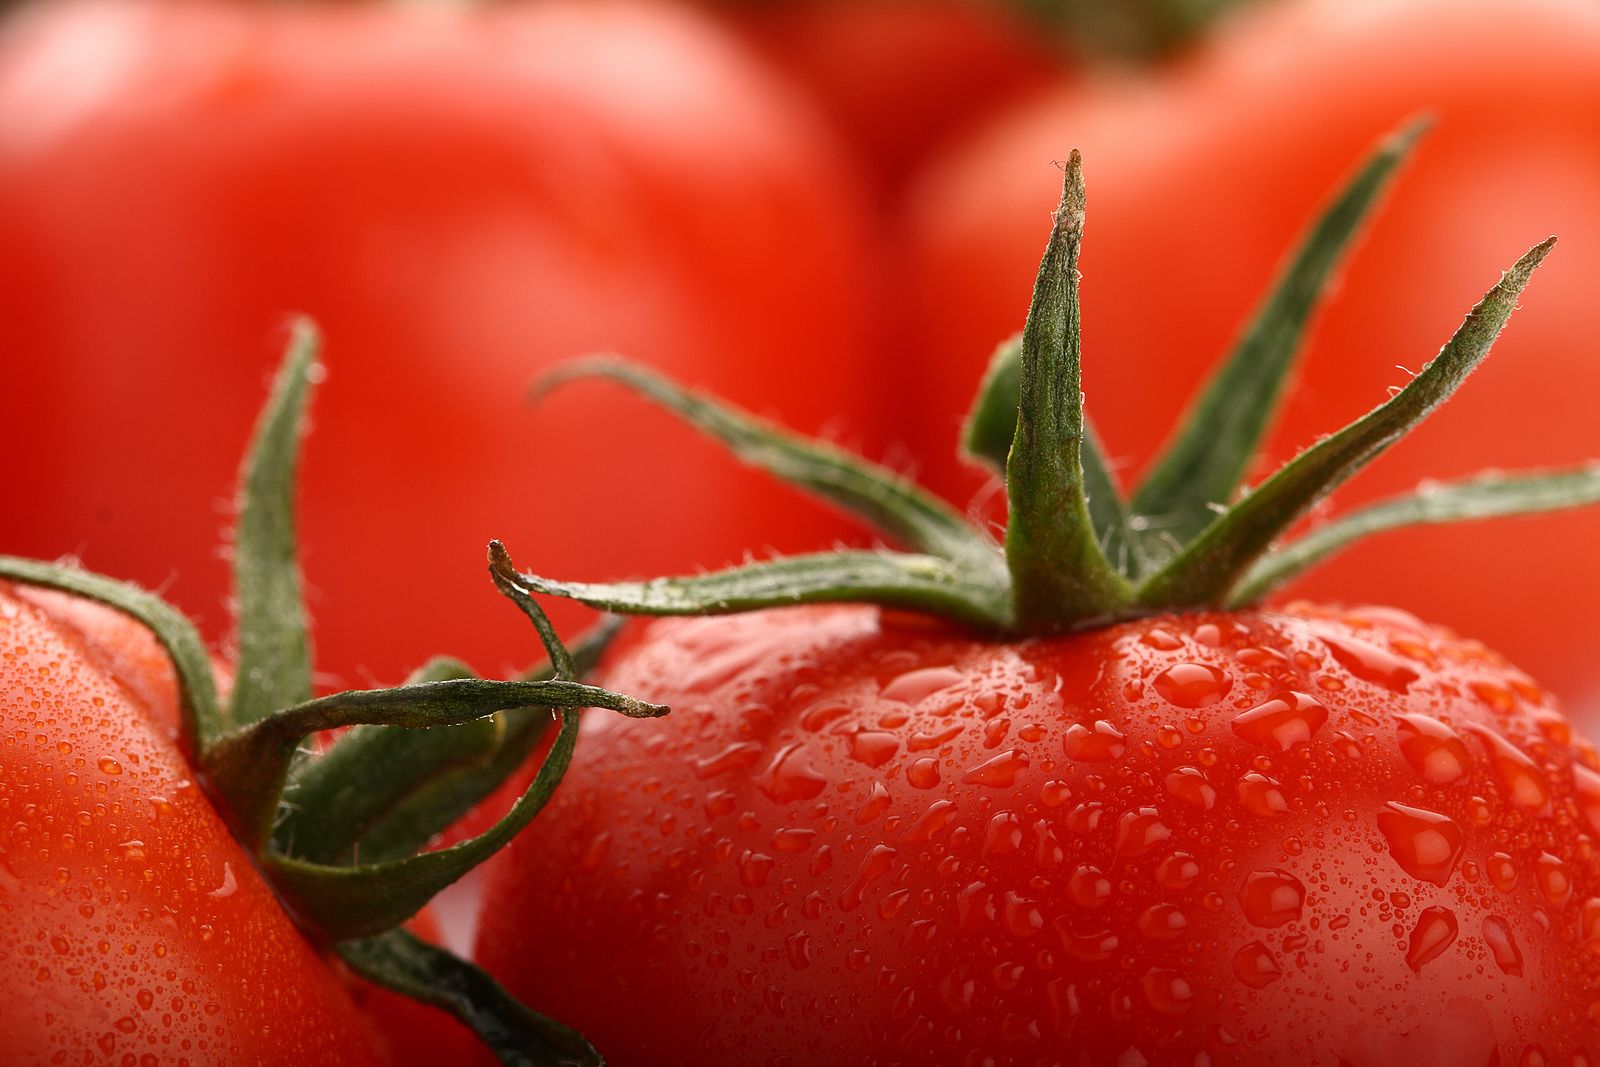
x,y
1426,844
1003,836
874,865
1371,663
1586,787
1140,831
1282,722
1161,639
1178,871
873,748
1555,881
1518,775
1271,898
877,802
913,686
1167,991
1163,922
1095,743
1432,748
788,779
935,819
921,742
923,773
1189,785
1434,932
1261,795
1020,917
738,755
1255,966
1192,685
1502,945
998,772
1091,947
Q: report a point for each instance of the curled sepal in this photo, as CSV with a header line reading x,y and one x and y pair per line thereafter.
x,y
199,713
891,579
986,439
1203,464
1210,566
887,501
433,805
342,902
274,667
1060,575
1487,496
248,765
515,1033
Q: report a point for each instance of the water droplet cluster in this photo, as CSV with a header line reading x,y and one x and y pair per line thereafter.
x,y
1302,836
133,930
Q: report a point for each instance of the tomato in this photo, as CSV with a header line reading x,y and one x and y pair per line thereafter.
x,y
901,78
1288,836
460,195
1202,176
128,906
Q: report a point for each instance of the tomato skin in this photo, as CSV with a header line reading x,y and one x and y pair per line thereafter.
x,y
460,198
870,839
1200,179
126,907
901,78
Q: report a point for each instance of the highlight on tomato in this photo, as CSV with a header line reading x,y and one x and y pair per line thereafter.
x,y
1077,796
459,194
184,880
1207,169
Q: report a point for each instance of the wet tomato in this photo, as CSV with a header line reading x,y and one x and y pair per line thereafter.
x,y
1289,836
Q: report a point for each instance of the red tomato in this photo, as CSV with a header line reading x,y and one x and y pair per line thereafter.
x,y
1293,836
902,78
1265,119
460,195
135,929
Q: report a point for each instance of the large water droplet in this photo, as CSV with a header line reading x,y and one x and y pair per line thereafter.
x,y
1282,722
998,772
1088,887
1167,991
1589,925
1255,966
915,685
1554,879
923,773
1140,831
873,747
1271,897
1425,844
1435,931
1094,744
874,865
1192,685
1163,922
789,779
1371,663
1432,748
1189,785
742,754
1261,795
1003,836
1518,776
1502,946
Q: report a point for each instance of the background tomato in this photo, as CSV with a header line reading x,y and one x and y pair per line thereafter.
x,y
1200,178
459,197
1299,836
902,78
127,905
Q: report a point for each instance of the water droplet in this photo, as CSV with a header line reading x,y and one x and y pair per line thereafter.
x,y
1432,748
999,772
975,908
1163,922
734,756
938,815
1189,785
109,765
1088,887
1586,786
876,804
754,868
1261,795
1178,871
1425,844
1167,991
1255,966
915,685
1371,663
1502,872
1192,685
1140,831
1502,946
1589,925
875,864
1004,835
1435,931
923,773
1094,744
1554,879
788,780
1021,917
1282,722
1162,640
1092,947
1524,786
794,840
798,949
873,748
229,884
818,716
1271,897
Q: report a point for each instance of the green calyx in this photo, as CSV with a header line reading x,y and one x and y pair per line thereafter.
x,y
1076,552
342,833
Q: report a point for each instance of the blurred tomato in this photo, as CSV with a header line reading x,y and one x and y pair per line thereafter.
x,y
902,78
460,196
1201,178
